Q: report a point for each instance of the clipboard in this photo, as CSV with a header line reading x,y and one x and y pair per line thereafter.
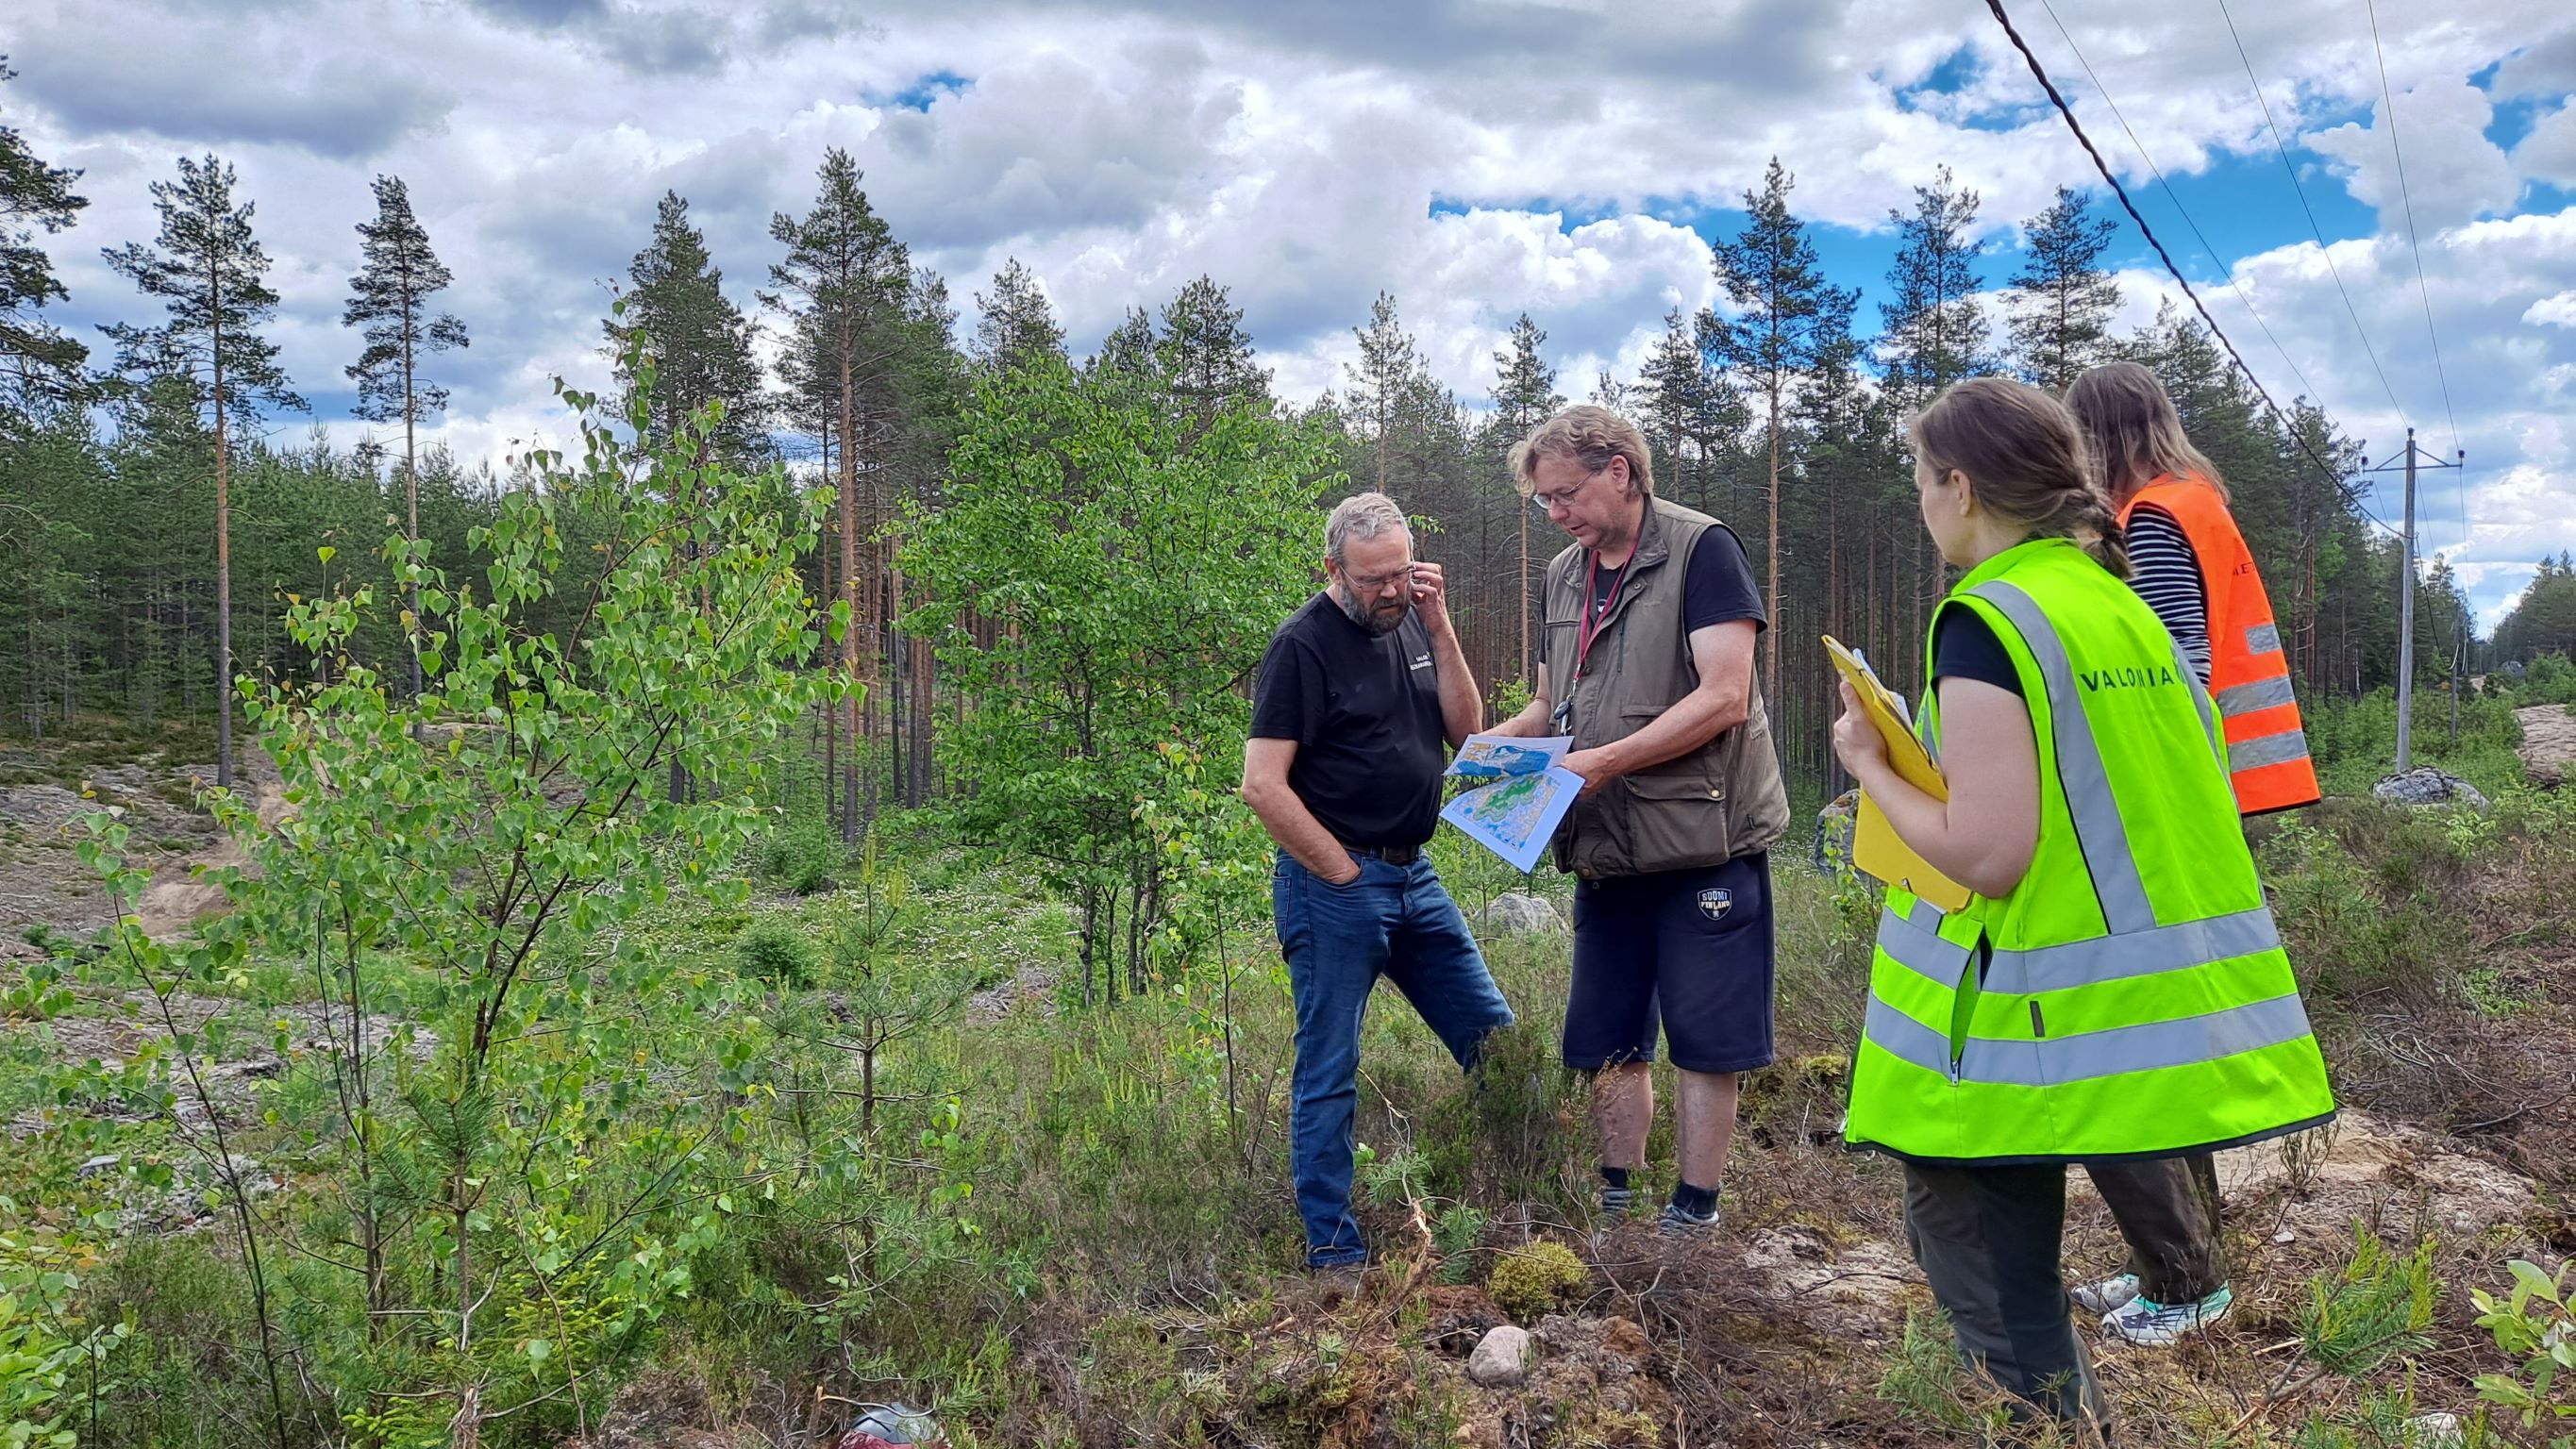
x,y
1876,848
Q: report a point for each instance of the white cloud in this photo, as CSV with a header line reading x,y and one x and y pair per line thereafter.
x,y
2458,174
1294,153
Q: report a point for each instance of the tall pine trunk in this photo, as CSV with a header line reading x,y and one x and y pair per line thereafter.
x,y
849,589
223,546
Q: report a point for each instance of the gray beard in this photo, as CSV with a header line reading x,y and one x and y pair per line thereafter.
x,y
1380,624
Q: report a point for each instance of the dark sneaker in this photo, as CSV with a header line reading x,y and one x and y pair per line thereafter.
x,y
1618,1203
1680,1222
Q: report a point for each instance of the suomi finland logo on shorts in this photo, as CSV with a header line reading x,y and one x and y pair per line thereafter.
x,y
1715,902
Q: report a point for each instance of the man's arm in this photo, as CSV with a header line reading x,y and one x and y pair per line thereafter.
x,y
1462,709
1723,655
1533,718
1265,789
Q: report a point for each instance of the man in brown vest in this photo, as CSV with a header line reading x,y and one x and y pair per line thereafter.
x,y
1651,618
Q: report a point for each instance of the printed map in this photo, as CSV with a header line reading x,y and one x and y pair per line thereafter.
x,y
1517,815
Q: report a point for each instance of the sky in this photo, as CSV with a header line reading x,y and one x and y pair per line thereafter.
x,y
1476,158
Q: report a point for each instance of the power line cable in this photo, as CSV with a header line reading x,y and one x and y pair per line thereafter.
x,y
2040,73
2389,99
2313,229
2184,212
2459,486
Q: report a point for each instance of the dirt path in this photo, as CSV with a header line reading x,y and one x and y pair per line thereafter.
x,y
177,898
2548,743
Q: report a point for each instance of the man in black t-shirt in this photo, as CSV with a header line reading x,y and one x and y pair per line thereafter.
x,y
1363,691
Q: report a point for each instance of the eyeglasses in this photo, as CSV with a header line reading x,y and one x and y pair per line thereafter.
x,y
1377,583
1546,502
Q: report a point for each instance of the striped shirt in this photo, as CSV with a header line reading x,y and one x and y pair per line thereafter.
x,y
2166,573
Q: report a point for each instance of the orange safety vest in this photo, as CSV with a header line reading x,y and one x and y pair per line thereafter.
x,y
2249,676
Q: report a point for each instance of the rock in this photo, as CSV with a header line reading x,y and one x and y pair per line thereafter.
x,y
1517,913
100,1166
2435,1431
1834,826
2285,1237
886,1425
2425,785
1501,1361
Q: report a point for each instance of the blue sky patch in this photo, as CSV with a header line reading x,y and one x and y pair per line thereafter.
x,y
923,90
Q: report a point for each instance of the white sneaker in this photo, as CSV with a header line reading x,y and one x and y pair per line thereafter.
x,y
2162,1325
2110,1293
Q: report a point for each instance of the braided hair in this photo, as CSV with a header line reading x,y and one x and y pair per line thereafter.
x,y
2025,461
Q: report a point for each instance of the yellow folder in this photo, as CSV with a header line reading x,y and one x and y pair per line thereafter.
x,y
1876,847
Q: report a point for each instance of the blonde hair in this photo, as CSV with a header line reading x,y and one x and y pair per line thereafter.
x,y
1589,434
2133,431
2025,462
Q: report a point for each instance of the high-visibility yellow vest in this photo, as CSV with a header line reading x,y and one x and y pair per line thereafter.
x,y
2130,996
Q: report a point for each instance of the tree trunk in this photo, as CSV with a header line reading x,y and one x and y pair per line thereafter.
x,y
223,560
849,588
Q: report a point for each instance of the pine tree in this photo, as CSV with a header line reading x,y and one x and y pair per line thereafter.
x,y
1206,353
701,342
389,297
1015,326
1936,330
843,282
1524,396
1128,351
40,364
1386,384
1787,318
211,273
2060,308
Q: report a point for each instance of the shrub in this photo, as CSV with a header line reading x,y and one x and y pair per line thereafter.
x,y
798,856
775,951
1536,1279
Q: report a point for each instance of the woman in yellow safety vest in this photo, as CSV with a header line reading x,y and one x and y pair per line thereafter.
x,y
2113,989
2191,565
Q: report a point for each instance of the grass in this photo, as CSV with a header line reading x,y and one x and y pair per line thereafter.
x,y
1075,1227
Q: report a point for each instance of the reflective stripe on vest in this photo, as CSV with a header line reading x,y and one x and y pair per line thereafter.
x,y
2262,750
2083,963
2079,765
2053,1061
2269,693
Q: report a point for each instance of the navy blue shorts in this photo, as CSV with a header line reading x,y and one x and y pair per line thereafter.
x,y
1689,950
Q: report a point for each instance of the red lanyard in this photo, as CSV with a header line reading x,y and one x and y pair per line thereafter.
x,y
1588,627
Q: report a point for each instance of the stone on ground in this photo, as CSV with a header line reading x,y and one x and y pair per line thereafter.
x,y
1501,1361
1521,914
2425,785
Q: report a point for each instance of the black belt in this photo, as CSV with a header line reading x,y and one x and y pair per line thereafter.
x,y
1391,854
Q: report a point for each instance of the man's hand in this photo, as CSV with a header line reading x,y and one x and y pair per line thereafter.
x,y
1431,596
1593,765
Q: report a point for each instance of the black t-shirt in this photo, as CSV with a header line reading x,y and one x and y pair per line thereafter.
x,y
1717,585
1364,710
1964,646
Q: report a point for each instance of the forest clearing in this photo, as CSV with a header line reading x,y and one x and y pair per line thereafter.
x,y
678,836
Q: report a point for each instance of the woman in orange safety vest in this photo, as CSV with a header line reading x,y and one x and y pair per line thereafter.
x,y
2190,564
2199,577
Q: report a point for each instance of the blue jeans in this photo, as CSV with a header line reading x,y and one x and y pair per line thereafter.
x,y
1395,921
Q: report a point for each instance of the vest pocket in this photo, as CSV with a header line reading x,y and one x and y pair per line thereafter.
x,y
1676,817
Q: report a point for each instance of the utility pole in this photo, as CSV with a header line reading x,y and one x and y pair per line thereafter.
x,y
2406,621
2406,602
